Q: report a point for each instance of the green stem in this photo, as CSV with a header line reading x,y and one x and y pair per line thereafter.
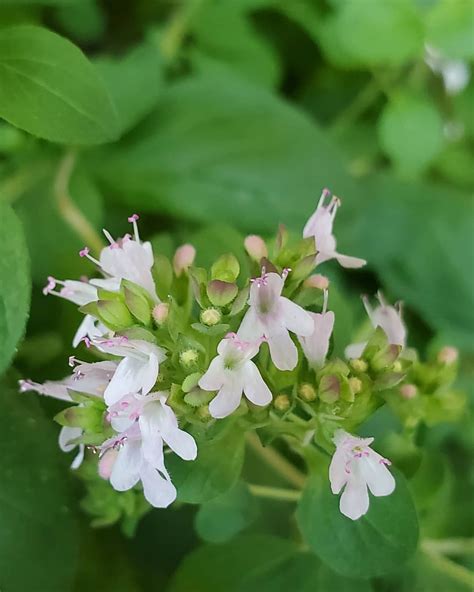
x,y
178,28
359,105
450,568
15,186
289,495
449,546
277,462
68,209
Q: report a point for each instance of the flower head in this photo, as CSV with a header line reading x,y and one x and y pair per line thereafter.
x,y
232,373
320,227
357,468
316,345
272,316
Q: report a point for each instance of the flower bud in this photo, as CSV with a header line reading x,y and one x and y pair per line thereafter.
x,y
189,358
397,366
408,391
359,365
221,293
183,258
255,247
307,392
160,312
106,463
114,314
317,281
355,384
329,388
448,355
281,403
210,316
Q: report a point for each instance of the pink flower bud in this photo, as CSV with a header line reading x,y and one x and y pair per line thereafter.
x,y
106,463
256,247
183,258
448,355
408,391
160,312
318,281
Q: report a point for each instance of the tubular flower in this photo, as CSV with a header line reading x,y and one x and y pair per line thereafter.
x,y
316,345
320,227
388,318
357,468
232,373
272,316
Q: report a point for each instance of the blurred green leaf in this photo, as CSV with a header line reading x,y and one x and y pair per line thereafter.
x,y
450,28
411,133
387,33
224,35
15,284
37,96
222,518
213,472
218,148
376,544
84,21
133,82
39,544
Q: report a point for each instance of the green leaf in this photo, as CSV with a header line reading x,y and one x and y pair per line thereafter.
x,y
450,28
411,133
223,517
84,20
244,156
49,89
258,563
15,284
378,543
134,83
35,499
387,33
216,469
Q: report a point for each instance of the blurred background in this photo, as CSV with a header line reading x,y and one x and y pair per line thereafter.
x,y
232,116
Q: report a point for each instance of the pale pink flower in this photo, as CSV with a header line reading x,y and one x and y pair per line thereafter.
x,y
272,316
255,247
316,346
147,423
388,318
183,258
232,373
138,370
320,227
357,468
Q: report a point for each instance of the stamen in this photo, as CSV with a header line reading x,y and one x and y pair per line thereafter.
x,y
325,301
71,361
49,286
285,272
26,385
109,237
133,219
367,306
324,194
85,253
87,341
262,280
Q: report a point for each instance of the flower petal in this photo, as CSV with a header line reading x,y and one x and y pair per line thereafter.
x,y
158,491
379,479
283,351
354,501
125,472
255,388
227,399
214,376
316,346
295,318
77,462
251,329
66,435
349,262
355,350
338,475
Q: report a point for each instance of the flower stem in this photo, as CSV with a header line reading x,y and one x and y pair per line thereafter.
x,y
277,462
290,495
68,209
449,546
450,568
178,28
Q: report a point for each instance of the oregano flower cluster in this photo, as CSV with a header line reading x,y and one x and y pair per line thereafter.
x,y
176,353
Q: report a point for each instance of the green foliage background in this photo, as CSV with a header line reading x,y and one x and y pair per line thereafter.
x,y
213,119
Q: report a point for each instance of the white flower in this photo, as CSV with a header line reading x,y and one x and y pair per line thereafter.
x,y
91,379
148,423
320,227
80,293
126,258
387,318
356,467
137,372
232,373
455,73
316,345
272,316
89,329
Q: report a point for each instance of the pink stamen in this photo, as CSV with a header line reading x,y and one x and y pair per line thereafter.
x,y
25,385
285,272
84,252
133,219
72,361
49,286
87,342
262,280
385,461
